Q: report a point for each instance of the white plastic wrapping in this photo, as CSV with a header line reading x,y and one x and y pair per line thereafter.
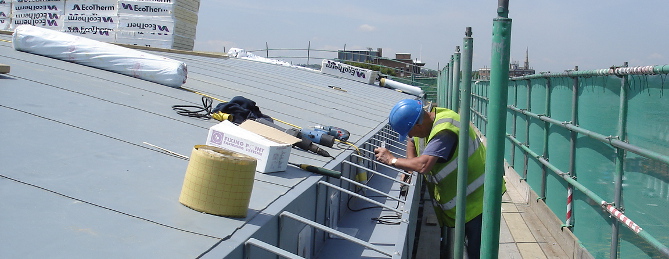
x,y
101,55
243,54
410,89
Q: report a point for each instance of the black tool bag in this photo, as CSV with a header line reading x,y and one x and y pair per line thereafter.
x,y
241,109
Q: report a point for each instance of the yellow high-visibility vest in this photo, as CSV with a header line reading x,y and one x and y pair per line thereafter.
x,y
442,179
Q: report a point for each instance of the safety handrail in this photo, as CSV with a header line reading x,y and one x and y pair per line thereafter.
x,y
336,233
612,140
617,142
267,247
607,206
613,71
309,56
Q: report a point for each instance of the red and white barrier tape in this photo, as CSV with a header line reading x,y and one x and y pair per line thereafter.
x,y
622,218
570,193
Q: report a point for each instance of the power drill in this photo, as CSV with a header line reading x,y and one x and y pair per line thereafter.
x,y
305,143
318,136
338,133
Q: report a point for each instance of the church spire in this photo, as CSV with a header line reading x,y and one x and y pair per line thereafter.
x,y
527,58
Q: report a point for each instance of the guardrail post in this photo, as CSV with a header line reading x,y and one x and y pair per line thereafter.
x,y
308,52
547,111
513,126
442,86
569,221
499,84
620,159
449,91
455,94
463,144
528,107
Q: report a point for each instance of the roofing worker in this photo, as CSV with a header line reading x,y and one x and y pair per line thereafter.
x,y
432,151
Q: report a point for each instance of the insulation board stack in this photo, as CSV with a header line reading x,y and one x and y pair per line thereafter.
x,y
40,13
94,19
158,23
152,23
5,12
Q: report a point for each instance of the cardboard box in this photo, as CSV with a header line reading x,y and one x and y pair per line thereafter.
x,y
270,146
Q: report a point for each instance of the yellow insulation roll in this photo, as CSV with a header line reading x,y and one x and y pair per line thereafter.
x,y
218,181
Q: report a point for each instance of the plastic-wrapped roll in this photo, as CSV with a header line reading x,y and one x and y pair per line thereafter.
x,y
218,181
99,54
410,89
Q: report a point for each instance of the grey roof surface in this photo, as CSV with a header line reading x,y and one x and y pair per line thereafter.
x,y
78,180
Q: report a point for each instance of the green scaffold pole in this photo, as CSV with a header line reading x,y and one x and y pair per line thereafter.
x,y
494,167
455,94
463,143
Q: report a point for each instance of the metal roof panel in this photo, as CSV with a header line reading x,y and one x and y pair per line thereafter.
x,y
79,180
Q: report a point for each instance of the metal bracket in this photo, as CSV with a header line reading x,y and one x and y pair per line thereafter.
x,y
566,226
609,138
606,204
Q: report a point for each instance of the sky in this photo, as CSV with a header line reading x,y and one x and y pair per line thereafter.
x,y
558,35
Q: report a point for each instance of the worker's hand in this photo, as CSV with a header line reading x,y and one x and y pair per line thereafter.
x,y
383,155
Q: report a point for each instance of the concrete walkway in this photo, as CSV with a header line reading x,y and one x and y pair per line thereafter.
x,y
522,235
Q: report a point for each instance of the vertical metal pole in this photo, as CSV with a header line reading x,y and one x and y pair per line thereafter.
x,y
569,222
446,249
266,50
620,157
513,126
456,80
494,169
440,76
477,102
527,128
444,84
308,52
444,94
450,84
463,144
546,134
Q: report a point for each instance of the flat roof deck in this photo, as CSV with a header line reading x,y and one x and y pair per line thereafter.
x,y
78,178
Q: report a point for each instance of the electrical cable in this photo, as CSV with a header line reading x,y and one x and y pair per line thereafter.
x,y
386,220
195,111
223,101
348,143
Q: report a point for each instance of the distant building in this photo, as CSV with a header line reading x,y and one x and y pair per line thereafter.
x,y
402,64
515,69
362,56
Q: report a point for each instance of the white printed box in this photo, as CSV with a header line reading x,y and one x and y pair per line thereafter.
x,y
270,146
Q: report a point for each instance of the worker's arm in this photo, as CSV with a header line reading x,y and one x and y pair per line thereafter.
x,y
411,148
441,148
421,164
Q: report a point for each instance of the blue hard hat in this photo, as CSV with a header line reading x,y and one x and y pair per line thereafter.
x,y
404,116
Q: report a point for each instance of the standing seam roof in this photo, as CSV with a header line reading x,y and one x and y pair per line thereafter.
x,y
79,180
